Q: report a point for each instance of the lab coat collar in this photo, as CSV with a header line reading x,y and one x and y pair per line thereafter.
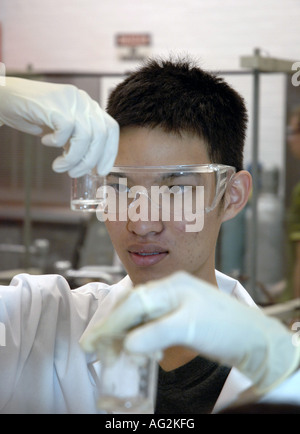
x,y
233,287
235,384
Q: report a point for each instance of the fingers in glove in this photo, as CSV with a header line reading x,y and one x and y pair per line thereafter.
x,y
96,146
156,335
140,306
143,304
89,160
111,146
127,314
100,145
79,145
63,129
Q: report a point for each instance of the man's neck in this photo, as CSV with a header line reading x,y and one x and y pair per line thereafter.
x,y
176,356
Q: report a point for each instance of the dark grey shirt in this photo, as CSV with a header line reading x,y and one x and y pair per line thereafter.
x,y
190,389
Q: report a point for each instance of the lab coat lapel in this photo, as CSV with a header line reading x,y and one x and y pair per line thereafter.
x,y
234,386
236,382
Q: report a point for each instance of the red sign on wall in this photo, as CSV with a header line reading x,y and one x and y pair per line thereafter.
x,y
132,46
133,39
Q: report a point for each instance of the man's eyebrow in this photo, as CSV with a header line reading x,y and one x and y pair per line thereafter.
x,y
175,174
160,177
117,175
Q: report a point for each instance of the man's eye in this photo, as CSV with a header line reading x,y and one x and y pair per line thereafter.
x,y
119,188
176,189
181,189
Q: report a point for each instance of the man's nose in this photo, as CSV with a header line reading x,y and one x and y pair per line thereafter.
x,y
140,218
143,228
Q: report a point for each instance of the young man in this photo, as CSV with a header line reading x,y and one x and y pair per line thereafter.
x,y
170,114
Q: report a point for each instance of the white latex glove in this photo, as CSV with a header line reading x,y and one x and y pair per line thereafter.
x,y
183,310
62,115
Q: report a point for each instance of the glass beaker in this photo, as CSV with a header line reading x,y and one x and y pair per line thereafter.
x,y
128,381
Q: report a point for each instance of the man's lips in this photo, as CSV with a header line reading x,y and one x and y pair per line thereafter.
x,y
147,255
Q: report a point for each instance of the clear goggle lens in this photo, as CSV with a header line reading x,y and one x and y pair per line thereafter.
x,y
168,191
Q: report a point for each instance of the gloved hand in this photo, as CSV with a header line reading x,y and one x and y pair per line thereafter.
x,y
183,310
62,115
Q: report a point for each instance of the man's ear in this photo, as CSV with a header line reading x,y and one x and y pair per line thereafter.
x,y
237,194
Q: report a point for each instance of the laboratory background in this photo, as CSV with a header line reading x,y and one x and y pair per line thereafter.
x,y
93,44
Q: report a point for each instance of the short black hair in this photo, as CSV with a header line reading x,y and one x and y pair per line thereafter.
x,y
178,96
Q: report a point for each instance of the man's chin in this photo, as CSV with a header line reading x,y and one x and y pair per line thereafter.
x,y
145,276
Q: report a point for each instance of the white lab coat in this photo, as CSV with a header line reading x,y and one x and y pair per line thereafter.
x,y
42,366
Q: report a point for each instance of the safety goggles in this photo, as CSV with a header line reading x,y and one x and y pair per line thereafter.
x,y
169,192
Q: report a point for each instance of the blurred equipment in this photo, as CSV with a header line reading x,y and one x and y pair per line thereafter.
x,y
270,240
287,312
38,255
96,259
258,64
